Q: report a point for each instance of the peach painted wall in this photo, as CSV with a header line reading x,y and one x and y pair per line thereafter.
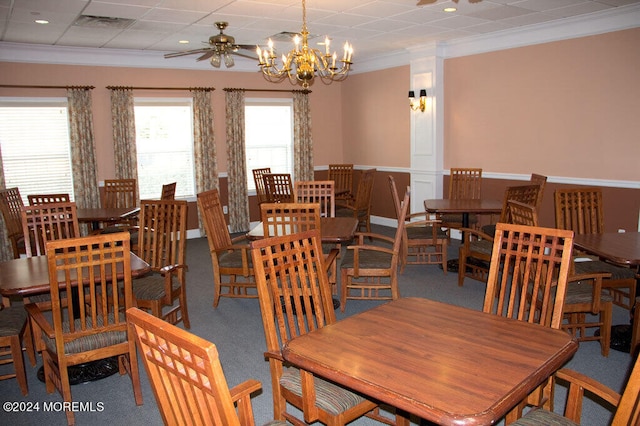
x,y
375,124
325,100
568,108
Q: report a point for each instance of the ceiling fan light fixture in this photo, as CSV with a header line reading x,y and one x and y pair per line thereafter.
x,y
215,60
228,60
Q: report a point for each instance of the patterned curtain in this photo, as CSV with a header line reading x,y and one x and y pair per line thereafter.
x,y
124,133
204,144
237,169
302,140
83,155
6,251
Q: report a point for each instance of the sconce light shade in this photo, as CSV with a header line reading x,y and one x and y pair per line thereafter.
x,y
422,102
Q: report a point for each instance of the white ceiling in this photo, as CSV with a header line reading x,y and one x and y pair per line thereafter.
x,y
374,27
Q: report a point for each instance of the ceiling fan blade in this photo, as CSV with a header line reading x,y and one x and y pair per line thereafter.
x,y
186,52
251,47
207,55
423,2
254,57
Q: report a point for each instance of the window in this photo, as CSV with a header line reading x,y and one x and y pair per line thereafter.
x,y
164,142
268,136
36,154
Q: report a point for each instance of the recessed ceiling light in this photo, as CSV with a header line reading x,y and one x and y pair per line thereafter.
x,y
449,9
183,41
41,21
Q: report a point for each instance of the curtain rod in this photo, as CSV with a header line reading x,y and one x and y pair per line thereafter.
x,y
24,86
230,89
161,88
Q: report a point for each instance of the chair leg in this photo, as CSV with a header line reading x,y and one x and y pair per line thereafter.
x,y
344,281
605,330
18,364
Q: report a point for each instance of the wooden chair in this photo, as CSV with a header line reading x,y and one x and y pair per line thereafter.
x,y
230,256
635,329
14,331
584,292
541,181
96,328
626,407
47,222
294,307
186,376
10,205
342,176
580,210
464,184
475,250
120,193
168,191
258,179
370,271
278,187
360,206
36,199
316,191
528,278
423,241
162,243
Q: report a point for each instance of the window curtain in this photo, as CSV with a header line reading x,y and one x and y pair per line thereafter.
x,y
236,161
302,140
124,133
204,144
83,154
6,252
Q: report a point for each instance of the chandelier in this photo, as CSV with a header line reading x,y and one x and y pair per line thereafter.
x,y
303,63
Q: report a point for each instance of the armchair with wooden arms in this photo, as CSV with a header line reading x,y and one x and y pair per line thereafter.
x,y
475,250
369,271
342,176
625,406
295,299
360,206
278,187
162,244
187,378
258,179
424,242
14,331
92,269
10,205
581,210
584,296
232,266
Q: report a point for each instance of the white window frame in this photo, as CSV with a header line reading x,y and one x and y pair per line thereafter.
x,y
50,185
170,102
267,127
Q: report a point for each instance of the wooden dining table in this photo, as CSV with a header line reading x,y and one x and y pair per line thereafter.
x,y
96,216
443,363
464,207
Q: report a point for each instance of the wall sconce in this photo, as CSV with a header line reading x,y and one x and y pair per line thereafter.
x,y
422,102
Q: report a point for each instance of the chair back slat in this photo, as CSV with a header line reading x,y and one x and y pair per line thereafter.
x,y
11,205
35,199
47,222
528,273
521,213
580,210
317,191
541,181
278,187
528,194
342,176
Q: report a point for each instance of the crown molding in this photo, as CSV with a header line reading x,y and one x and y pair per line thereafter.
x,y
615,19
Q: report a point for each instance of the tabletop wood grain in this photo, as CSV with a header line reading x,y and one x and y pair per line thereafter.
x,y
443,363
622,248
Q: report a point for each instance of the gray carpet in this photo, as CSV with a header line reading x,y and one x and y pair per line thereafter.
x,y
236,328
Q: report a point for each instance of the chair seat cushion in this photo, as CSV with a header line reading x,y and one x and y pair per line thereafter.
x,y
12,319
594,266
329,397
582,292
91,342
151,287
489,229
424,232
233,259
539,417
481,246
368,260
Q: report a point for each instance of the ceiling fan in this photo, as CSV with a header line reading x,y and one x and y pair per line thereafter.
x,y
220,46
